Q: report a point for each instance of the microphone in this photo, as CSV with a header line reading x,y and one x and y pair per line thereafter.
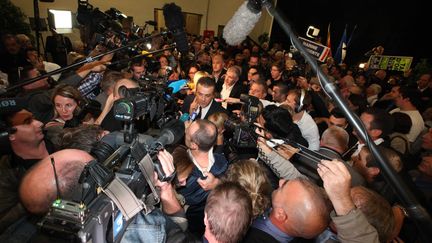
x,y
177,85
175,23
184,117
242,23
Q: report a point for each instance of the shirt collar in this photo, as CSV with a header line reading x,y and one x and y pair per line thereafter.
x,y
211,161
205,110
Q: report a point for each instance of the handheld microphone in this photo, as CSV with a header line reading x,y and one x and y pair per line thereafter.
x,y
242,23
175,23
184,117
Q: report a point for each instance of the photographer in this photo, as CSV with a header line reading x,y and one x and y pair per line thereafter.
x,y
26,141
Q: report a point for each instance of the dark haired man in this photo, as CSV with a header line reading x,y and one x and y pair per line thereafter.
x,y
379,124
407,100
203,103
28,146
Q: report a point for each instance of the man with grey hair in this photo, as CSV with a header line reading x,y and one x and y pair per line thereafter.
x,y
372,93
232,88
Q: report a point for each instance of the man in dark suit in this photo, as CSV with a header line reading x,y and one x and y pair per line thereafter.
x,y
232,88
202,104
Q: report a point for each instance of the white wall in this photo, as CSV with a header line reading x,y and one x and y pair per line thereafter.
x,y
220,11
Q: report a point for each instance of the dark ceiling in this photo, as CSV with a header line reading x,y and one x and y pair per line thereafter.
x,y
403,29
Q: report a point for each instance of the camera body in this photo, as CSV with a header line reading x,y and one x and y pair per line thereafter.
x,y
243,128
123,171
100,222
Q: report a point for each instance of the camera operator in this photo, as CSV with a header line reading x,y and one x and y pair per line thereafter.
x,y
138,68
28,145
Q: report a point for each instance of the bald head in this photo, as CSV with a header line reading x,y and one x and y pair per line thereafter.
x,y
300,208
123,82
38,187
335,138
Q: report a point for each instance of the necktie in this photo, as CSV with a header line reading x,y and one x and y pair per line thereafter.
x,y
199,113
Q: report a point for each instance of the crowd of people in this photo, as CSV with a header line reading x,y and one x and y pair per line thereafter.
x,y
323,185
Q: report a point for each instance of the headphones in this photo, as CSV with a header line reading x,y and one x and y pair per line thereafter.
x,y
299,104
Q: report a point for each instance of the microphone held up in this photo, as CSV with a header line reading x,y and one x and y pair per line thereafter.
x,y
242,23
174,22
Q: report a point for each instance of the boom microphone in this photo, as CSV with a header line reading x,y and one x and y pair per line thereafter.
x,y
175,23
242,23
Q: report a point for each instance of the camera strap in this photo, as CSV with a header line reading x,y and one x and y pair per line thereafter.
x,y
147,169
123,198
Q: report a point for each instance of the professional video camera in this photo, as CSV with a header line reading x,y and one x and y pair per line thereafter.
x,y
151,101
124,173
105,28
243,127
124,169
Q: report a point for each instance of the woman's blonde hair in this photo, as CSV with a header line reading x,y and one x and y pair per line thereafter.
x,y
218,119
251,176
197,76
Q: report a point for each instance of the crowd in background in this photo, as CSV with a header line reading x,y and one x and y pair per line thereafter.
x,y
277,193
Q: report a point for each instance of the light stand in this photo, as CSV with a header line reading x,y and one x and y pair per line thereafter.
x,y
415,211
37,24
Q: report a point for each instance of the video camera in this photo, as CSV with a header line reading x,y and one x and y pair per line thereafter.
x,y
153,100
124,173
104,28
243,127
123,170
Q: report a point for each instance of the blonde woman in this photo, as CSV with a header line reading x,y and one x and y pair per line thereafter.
x,y
250,175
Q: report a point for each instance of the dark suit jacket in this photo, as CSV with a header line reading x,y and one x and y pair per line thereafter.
x,y
236,91
220,80
214,107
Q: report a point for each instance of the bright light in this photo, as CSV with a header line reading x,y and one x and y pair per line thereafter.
x,y
312,32
62,19
361,65
149,46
